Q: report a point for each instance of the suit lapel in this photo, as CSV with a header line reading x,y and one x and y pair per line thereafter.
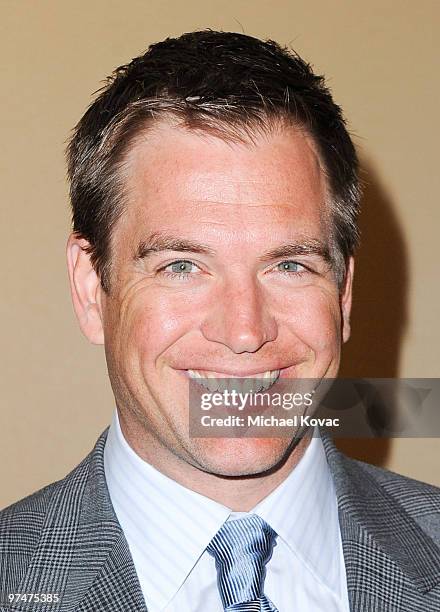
x,y
116,587
82,553
388,557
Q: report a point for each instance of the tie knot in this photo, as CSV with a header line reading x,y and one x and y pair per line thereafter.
x,y
249,536
241,549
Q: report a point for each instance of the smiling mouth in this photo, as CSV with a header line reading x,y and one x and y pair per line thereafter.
x,y
216,381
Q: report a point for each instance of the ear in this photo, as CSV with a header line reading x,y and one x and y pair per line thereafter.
x,y
346,300
85,288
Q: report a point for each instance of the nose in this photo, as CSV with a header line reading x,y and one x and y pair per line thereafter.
x,y
240,318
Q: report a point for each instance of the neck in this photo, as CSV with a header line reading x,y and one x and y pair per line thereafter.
x,y
242,493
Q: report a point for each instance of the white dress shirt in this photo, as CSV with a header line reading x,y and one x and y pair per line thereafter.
x,y
168,527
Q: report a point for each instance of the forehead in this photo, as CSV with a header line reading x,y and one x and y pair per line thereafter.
x,y
184,180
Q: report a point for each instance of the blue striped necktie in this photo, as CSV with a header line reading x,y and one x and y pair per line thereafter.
x,y
241,549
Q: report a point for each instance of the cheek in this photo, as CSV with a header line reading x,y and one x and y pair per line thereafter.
x,y
314,317
151,323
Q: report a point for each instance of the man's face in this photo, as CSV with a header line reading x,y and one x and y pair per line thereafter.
x,y
220,298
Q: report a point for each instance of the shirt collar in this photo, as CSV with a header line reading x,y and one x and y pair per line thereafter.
x,y
169,526
303,510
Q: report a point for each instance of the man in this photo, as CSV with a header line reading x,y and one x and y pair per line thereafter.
x,y
215,194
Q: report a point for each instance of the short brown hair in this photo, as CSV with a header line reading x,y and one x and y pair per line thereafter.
x,y
223,82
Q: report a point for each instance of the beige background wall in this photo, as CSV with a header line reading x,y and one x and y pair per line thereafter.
x,y
382,61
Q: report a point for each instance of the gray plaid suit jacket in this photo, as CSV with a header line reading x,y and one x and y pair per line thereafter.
x,y
66,539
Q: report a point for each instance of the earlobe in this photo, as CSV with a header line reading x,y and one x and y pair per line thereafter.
x,y
85,288
346,300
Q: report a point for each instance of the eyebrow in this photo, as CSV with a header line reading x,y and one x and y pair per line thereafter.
x,y
296,249
158,242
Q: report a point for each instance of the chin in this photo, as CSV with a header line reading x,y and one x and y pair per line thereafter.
x,y
240,456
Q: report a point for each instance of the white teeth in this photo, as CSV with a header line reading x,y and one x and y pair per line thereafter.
x,y
242,384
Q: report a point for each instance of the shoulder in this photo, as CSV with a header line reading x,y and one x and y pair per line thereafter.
x,y
405,489
353,476
23,523
418,500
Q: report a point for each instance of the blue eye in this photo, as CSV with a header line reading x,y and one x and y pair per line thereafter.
x,y
291,267
181,267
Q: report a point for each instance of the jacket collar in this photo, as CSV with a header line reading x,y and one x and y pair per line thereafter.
x,y
378,534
